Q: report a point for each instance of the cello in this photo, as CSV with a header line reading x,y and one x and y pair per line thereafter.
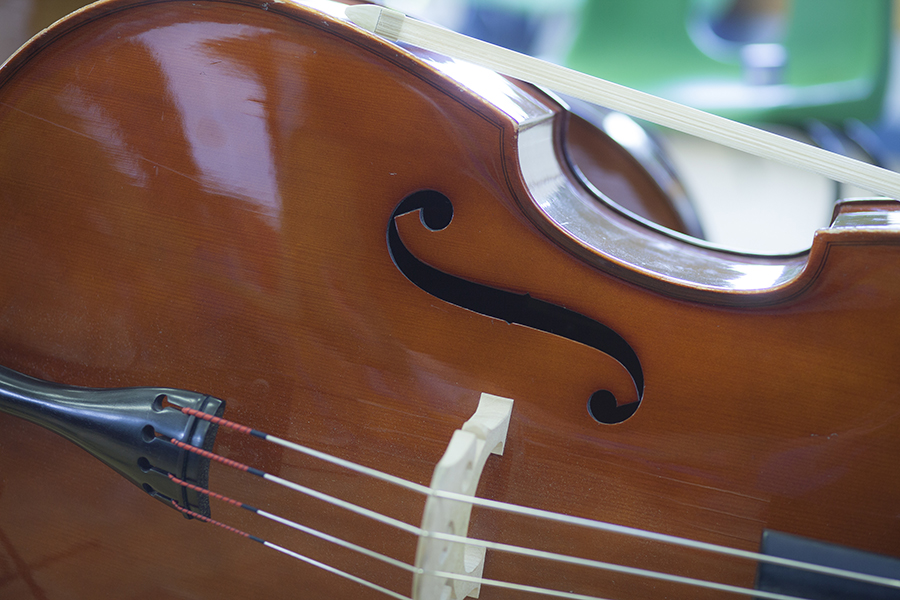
x,y
347,242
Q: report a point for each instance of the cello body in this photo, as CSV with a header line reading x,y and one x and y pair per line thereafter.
x,y
202,195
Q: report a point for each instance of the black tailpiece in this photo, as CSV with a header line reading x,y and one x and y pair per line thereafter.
x,y
128,429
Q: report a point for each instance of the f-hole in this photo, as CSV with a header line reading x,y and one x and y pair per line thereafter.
x,y
436,213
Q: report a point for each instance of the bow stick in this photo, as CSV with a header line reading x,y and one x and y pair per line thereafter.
x,y
397,27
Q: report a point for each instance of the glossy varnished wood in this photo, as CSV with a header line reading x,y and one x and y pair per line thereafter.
x,y
196,195
619,177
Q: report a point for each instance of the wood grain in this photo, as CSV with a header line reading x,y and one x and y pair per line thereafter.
x,y
197,194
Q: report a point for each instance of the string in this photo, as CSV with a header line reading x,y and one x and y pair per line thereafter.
x,y
523,511
291,553
374,586
349,506
298,526
450,538
355,547
457,539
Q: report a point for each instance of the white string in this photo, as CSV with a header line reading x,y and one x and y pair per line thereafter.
x,y
540,514
561,518
340,542
475,542
405,566
497,546
337,571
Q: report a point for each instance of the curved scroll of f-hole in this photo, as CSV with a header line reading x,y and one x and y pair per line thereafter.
x,y
436,213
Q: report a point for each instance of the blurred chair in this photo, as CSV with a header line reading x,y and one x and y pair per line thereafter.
x,y
21,19
535,27
782,61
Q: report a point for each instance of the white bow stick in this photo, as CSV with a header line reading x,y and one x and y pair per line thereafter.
x,y
396,27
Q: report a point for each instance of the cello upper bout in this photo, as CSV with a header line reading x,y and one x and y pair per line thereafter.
x,y
624,244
